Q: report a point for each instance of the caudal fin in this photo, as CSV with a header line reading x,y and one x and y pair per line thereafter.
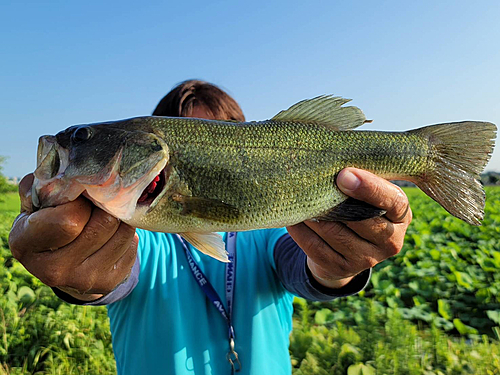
x,y
458,154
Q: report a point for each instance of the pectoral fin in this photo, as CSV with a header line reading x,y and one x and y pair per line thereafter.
x,y
208,243
206,208
352,210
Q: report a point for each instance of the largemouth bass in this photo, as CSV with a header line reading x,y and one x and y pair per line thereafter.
x,y
196,177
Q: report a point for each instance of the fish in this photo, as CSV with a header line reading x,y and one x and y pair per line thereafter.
x,y
196,177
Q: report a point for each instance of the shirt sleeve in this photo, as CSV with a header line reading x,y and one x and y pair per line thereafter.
x,y
292,269
119,293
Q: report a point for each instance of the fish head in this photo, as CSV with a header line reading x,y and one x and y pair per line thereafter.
x,y
114,164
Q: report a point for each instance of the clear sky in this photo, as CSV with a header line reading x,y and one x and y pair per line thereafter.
x,y
406,64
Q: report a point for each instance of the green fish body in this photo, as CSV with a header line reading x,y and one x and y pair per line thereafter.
x,y
196,177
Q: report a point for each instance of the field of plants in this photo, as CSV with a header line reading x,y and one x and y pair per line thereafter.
x,y
433,309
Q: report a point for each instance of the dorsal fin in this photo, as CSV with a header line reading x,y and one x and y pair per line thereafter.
x,y
326,110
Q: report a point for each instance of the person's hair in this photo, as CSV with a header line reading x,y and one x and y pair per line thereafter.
x,y
184,97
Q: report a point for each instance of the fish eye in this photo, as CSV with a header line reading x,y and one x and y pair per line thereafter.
x,y
81,134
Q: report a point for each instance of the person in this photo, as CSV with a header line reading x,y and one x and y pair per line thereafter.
x,y
161,320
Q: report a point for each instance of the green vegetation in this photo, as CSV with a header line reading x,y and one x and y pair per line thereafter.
x,y
10,202
383,343
433,309
446,275
5,187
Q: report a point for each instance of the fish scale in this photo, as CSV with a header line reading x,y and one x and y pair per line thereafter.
x,y
297,173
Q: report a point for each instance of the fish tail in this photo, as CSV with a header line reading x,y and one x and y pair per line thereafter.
x,y
458,153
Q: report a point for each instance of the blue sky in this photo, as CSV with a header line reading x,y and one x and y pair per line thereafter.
x,y
406,64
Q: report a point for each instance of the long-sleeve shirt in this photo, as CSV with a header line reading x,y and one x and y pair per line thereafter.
x,y
162,323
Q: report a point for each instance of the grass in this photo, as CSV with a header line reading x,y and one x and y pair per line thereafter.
x,y
384,344
358,335
10,202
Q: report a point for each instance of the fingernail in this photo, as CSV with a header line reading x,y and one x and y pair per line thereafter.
x,y
348,181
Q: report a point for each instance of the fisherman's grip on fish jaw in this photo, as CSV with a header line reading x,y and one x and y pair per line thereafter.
x,y
75,247
339,251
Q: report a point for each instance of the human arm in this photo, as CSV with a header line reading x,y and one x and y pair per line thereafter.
x,y
294,274
339,251
76,247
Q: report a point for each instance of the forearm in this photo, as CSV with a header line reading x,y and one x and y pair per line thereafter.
x,y
292,269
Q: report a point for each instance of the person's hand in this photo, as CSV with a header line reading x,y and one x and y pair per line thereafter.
x,y
338,251
75,247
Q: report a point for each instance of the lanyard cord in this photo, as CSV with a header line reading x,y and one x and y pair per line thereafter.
x,y
230,279
213,296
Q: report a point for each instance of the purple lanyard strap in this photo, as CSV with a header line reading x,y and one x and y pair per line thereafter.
x,y
213,296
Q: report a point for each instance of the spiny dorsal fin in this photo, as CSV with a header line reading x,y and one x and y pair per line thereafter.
x,y
326,110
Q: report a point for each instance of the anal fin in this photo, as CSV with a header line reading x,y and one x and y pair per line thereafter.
x,y
352,210
208,243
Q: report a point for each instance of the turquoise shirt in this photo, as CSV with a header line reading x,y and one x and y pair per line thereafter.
x,y
168,326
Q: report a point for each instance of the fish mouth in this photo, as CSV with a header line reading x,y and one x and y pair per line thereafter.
x,y
49,187
153,190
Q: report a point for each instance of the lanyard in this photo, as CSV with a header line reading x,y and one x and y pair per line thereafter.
x,y
208,289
